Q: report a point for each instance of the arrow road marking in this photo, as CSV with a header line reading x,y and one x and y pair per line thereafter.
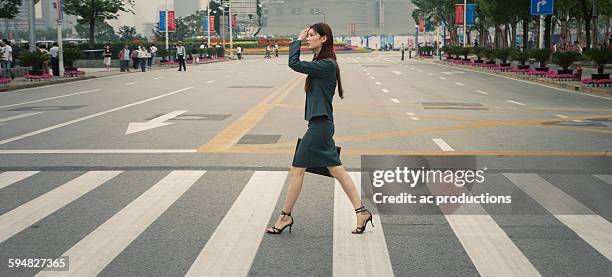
x,y
135,127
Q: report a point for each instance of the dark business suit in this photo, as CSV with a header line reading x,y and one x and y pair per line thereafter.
x,y
317,148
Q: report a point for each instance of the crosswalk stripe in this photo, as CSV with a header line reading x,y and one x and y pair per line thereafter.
x,y
29,213
592,228
357,255
491,250
605,178
90,255
10,177
231,249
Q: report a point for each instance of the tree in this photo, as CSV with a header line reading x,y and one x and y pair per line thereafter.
x,y
104,32
9,8
93,11
128,33
442,10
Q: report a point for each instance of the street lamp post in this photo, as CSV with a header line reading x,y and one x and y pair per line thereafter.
x,y
166,23
465,44
60,44
32,25
320,12
416,41
231,30
208,20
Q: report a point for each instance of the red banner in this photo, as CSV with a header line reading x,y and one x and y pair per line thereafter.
x,y
233,21
459,13
212,23
171,21
422,25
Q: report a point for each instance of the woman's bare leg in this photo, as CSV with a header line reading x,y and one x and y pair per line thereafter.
x,y
293,192
349,188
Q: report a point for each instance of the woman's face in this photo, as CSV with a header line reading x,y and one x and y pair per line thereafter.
x,y
314,40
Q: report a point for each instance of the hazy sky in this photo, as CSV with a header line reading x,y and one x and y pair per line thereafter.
x,y
145,11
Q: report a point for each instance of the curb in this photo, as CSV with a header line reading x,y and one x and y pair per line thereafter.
x,y
34,84
566,86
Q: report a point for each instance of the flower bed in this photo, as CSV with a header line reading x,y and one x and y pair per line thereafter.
x,y
169,63
32,77
598,83
4,81
520,71
503,68
488,65
74,73
539,73
561,77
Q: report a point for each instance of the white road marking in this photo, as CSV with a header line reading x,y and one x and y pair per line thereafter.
x,y
605,178
459,84
231,249
357,255
18,116
378,83
368,73
421,71
94,252
90,116
410,114
385,90
395,100
482,92
442,144
157,78
563,116
49,98
227,76
31,212
453,72
430,74
414,118
129,84
442,78
372,77
135,127
397,72
10,177
592,228
210,82
516,103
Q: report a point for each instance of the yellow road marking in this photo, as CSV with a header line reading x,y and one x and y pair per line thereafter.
x,y
232,134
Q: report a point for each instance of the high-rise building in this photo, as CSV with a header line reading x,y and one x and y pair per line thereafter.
x,y
346,17
46,17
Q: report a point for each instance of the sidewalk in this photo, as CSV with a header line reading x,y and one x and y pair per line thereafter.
x,y
21,83
569,85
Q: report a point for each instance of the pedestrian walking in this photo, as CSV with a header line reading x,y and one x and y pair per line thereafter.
x,y
134,56
45,64
153,55
124,58
239,52
7,59
180,56
276,50
107,57
317,147
54,52
142,57
403,49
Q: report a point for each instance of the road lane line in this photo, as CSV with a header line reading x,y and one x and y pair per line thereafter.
x,y
482,92
31,212
234,132
210,82
395,100
442,78
378,83
516,103
10,177
357,255
410,114
129,84
592,228
430,74
459,84
157,78
605,178
90,116
443,145
18,116
100,151
49,98
397,72
385,90
94,252
372,77
231,249
414,118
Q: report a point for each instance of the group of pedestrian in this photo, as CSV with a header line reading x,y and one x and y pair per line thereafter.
x,y
271,49
141,56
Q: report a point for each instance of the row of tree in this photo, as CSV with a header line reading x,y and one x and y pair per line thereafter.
x,y
505,17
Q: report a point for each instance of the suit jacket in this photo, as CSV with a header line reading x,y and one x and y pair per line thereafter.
x,y
322,85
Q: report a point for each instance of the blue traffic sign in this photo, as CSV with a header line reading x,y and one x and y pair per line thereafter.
x,y
542,7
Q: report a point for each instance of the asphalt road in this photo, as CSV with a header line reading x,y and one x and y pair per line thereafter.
x,y
169,173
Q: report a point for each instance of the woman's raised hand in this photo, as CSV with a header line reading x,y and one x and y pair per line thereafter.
x,y
304,34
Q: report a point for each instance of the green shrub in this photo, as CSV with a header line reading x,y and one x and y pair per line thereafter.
x,y
478,51
503,54
566,59
600,56
520,56
540,55
34,59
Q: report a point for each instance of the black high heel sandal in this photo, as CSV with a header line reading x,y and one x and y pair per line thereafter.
x,y
362,228
277,231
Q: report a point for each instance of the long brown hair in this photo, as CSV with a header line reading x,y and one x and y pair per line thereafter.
x,y
327,52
